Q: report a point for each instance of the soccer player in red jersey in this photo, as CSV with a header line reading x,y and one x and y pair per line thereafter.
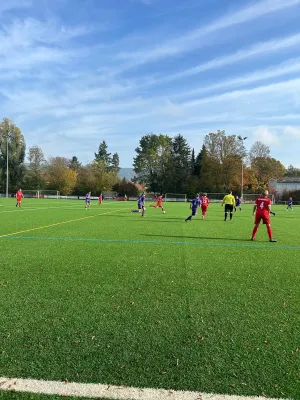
x,y
261,210
204,204
19,196
159,203
100,200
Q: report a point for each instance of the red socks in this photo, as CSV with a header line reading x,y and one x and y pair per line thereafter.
x,y
270,233
254,232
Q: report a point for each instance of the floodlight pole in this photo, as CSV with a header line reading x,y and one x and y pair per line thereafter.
x,y
242,188
7,165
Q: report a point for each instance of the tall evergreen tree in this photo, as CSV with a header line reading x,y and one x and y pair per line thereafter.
x,y
103,156
181,164
115,163
74,164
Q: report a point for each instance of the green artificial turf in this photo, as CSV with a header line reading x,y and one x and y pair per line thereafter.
x,y
28,396
150,302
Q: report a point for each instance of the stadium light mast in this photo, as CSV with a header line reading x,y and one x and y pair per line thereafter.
x,y
242,188
7,165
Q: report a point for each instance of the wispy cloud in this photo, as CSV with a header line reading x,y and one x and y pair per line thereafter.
x,y
192,40
265,135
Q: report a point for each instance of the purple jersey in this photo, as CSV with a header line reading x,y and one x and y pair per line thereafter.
x,y
195,203
88,198
141,200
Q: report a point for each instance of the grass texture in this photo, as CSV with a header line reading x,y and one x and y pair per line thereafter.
x,y
105,296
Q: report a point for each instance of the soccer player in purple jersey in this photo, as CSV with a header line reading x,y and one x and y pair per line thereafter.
x,y
195,203
88,200
141,205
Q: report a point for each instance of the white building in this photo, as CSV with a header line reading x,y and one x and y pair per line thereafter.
x,y
284,184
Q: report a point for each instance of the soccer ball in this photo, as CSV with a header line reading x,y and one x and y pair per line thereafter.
x,y
163,212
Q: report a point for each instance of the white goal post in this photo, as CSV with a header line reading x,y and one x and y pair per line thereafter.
x,y
177,197
41,194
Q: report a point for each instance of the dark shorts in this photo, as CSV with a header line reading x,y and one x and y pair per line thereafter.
x,y
140,206
228,207
194,211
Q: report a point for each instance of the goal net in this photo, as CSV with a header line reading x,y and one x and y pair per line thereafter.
x,y
41,194
177,197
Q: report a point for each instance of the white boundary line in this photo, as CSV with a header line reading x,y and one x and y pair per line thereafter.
x,y
90,390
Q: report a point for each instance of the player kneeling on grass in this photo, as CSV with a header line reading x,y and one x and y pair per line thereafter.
x,y
204,204
141,205
261,211
195,203
159,203
19,197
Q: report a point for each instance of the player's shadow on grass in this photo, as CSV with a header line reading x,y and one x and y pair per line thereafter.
x,y
198,237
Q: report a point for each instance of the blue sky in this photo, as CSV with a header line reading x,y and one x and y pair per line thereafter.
x,y
76,72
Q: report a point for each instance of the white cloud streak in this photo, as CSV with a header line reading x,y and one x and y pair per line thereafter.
x,y
192,40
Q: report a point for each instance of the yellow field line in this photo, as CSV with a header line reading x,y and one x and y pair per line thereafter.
x,y
60,223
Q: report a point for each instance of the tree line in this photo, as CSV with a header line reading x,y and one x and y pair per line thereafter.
x,y
162,164
168,164
68,176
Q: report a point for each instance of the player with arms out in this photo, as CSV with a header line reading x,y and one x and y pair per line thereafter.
x,y
19,197
204,204
290,204
100,199
195,203
160,203
261,211
88,200
141,205
229,202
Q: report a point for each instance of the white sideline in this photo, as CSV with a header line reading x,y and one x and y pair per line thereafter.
x,y
109,392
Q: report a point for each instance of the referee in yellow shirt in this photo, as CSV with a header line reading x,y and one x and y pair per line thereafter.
x,y
229,201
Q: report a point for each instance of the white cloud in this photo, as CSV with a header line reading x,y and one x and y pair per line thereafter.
x,y
266,136
192,40
292,132
255,50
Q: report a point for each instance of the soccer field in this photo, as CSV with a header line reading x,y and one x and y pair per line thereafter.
x,y
105,296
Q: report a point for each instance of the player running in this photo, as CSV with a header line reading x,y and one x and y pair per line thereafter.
x,y
19,197
261,210
195,203
159,203
290,204
88,200
100,199
141,205
238,203
229,202
204,204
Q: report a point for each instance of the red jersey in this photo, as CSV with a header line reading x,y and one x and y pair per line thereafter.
x,y
159,199
262,206
19,195
204,201
100,197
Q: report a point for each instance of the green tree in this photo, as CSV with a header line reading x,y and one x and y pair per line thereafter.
x,y
96,178
181,165
16,154
152,163
292,172
115,163
124,187
220,146
59,176
266,168
74,164
102,156
35,173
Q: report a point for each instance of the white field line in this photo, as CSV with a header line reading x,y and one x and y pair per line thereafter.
x,y
50,208
90,390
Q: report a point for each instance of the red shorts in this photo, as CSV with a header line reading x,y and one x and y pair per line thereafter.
x,y
265,218
19,199
159,204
